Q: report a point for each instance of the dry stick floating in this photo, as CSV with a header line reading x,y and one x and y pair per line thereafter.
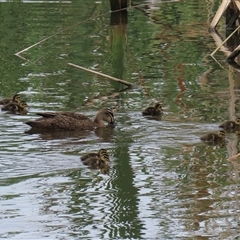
x,y
101,74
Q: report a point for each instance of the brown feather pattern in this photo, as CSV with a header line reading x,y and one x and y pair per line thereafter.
x,y
71,120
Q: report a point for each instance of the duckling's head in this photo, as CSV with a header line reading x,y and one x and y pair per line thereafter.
x,y
102,151
16,98
221,134
158,107
103,155
104,158
23,105
238,121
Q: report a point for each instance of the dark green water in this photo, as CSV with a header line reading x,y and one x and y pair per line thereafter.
x,y
164,183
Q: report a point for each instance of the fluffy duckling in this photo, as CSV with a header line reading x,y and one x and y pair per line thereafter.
x,y
16,108
72,121
153,111
16,98
96,160
231,125
102,151
214,137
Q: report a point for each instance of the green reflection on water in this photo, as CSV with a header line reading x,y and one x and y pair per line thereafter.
x,y
164,53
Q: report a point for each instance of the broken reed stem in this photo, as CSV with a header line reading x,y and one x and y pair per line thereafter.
x,y
225,41
101,74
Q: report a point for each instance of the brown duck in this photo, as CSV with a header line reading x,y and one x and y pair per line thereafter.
x,y
153,111
214,137
231,125
16,108
16,98
96,160
72,120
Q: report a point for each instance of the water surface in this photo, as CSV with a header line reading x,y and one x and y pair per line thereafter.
x,y
164,183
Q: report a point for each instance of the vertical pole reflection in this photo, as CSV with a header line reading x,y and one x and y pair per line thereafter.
x,y
123,219
118,29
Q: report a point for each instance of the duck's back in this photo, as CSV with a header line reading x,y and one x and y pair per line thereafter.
x,y
9,107
94,162
89,155
67,121
67,114
5,101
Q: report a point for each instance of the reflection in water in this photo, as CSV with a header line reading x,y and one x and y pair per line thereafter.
x,y
200,188
123,220
163,182
104,133
51,134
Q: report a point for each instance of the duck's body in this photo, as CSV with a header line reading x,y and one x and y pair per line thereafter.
x,y
72,120
16,108
214,137
231,125
96,160
153,111
16,99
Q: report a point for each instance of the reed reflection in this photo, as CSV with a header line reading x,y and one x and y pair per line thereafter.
x,y
201,190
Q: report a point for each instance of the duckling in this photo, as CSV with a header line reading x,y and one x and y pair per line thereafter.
x,y
96,160
231,125
153,111
16,98
16,108
72,120
214,137
102,151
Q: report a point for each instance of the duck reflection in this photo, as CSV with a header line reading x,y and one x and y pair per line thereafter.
x,y
105,133
46,134
51,135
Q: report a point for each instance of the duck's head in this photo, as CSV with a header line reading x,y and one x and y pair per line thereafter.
x,y
16,98
106,115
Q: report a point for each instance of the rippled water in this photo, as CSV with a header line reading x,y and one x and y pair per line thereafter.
x,y
164,183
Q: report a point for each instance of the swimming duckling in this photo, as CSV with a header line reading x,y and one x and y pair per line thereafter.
x,y
96,160
72,120
153,111
16,98
16,108
231,125
214,137
102,151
